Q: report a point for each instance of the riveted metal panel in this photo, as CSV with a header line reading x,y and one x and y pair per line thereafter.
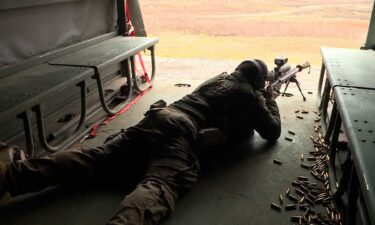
x,y
350,67
357,109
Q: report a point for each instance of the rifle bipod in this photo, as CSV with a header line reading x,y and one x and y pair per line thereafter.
x,y
294,80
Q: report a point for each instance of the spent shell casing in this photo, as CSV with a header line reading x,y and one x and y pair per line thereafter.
x,y
299,192
288,139
308,200
303,206
315,153
304,111
297,111
290,207
275,207
328,211
281,198
299,117
291,132
278,162
310,195
312,211
321,179
302,178
287,192
307,211
302,157
296,218
318,200
293,198
305,189
305,166
296,183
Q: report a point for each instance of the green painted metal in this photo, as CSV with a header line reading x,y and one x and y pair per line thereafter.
x,y
350,67
25,89
357,110
12,4
107,52
370,41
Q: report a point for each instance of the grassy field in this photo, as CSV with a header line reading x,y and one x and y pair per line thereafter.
x,y
229,29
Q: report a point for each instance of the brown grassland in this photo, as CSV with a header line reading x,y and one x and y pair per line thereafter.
x,y
240,29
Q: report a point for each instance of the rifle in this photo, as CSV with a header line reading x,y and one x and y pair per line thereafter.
x,y
284,74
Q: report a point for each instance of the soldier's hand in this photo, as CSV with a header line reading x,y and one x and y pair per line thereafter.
x,y
275,94
271,94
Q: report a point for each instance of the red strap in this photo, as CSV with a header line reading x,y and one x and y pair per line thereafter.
x,y
127,11
145,74
93,130
132,33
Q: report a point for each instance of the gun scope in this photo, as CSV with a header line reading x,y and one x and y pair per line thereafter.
x,y
280,61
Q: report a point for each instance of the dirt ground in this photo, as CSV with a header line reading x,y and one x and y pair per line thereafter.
x,y
240,29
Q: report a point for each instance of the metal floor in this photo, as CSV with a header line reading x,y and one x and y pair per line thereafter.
x,y
236,186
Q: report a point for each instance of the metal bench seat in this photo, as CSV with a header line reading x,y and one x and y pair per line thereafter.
x,y
107,52
29,87
342,67
112,51
349,67
27,91
354,108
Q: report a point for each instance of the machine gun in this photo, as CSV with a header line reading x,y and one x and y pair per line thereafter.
x,y
284,74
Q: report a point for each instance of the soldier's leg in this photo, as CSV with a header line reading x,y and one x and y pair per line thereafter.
x,y
64,166
172,172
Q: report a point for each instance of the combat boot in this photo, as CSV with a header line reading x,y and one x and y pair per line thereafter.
x,y
2,179
13,152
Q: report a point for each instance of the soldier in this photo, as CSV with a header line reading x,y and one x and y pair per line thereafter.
x,y
162,150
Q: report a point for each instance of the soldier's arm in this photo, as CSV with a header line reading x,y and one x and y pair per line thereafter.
x,y
267,121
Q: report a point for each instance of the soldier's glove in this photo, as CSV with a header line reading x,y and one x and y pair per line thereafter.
x,y
270,93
